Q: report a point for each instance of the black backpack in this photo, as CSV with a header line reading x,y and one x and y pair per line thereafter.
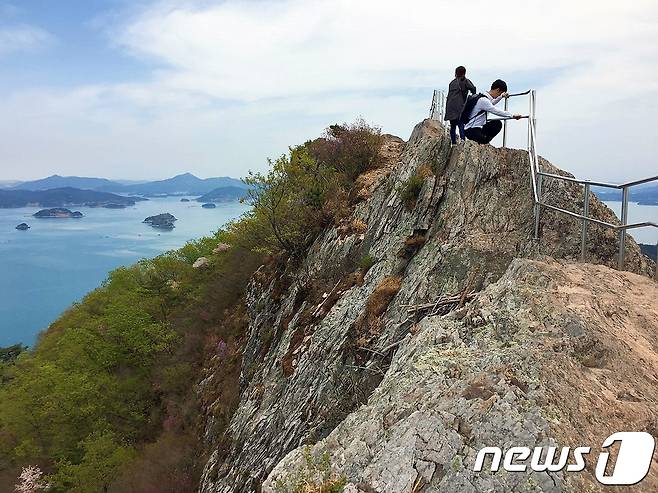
x,y
465,115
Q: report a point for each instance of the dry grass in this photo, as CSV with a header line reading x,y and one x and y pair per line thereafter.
x,y
369,325
352,227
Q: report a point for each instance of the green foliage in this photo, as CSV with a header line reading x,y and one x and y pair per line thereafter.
x,y
103,456
366,262
410,190
350,149
306,190
313,476
286,204
114,372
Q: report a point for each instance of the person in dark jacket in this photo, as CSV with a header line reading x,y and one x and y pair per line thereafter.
x,y
457,94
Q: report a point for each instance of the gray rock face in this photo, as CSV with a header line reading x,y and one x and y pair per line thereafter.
x,y
527,363
311,362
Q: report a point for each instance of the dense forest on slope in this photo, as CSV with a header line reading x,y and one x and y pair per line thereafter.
x,y
107,399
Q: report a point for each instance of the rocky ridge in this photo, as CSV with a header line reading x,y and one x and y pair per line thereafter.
x,y
332,339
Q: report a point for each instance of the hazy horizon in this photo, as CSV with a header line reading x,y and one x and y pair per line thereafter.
x,y
100,88
118,179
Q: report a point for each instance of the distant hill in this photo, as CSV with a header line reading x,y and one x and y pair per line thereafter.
x,y
648,250
185,184
223,194
62,197
643,194
56,181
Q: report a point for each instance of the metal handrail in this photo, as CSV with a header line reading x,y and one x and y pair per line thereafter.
x,y
537,175
513,95
437,111
438,106
600,183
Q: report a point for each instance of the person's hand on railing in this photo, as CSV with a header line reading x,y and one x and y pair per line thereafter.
x,y
505,95
517,116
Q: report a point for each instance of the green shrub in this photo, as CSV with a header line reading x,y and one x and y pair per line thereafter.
x,y
350,149
366,262
410,190
307,189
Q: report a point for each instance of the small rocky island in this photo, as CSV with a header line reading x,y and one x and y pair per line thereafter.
x,y
22,227
57,212
209,205
161,221
184,200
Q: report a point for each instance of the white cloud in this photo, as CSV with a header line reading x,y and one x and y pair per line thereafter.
x,y
238,81
251,50
22,37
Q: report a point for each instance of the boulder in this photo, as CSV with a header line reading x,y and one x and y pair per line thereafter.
x,y
221,248
200,263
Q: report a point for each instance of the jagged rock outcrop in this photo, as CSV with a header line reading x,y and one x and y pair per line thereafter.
x,y
323,336
553,354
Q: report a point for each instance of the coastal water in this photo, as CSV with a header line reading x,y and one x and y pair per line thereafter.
x,y
57,261
637,214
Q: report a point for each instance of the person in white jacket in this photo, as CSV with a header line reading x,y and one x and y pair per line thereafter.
x,y
477,127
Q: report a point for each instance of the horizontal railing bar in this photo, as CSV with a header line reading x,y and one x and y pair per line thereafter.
x,y
507,118
638,182
600,183
518,94
578,180
639,225
602,223
578,216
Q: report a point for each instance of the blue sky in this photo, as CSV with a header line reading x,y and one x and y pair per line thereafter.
x,y
75,50
148,89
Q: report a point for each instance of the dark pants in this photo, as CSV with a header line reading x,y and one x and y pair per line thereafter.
x,y
453,130
484,135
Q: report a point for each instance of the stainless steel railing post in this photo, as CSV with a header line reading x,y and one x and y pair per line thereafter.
x,y
583,234
656,274
505,126
622,231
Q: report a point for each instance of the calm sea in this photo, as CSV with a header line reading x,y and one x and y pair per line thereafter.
x,y
638,214
57,261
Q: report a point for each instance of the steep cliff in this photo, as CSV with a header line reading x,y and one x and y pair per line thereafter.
x,y
409,335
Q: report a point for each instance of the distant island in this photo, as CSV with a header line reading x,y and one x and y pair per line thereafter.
x,y
183,184
161,221
223,194
64,197
209,205
57,212
23,227
643,194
